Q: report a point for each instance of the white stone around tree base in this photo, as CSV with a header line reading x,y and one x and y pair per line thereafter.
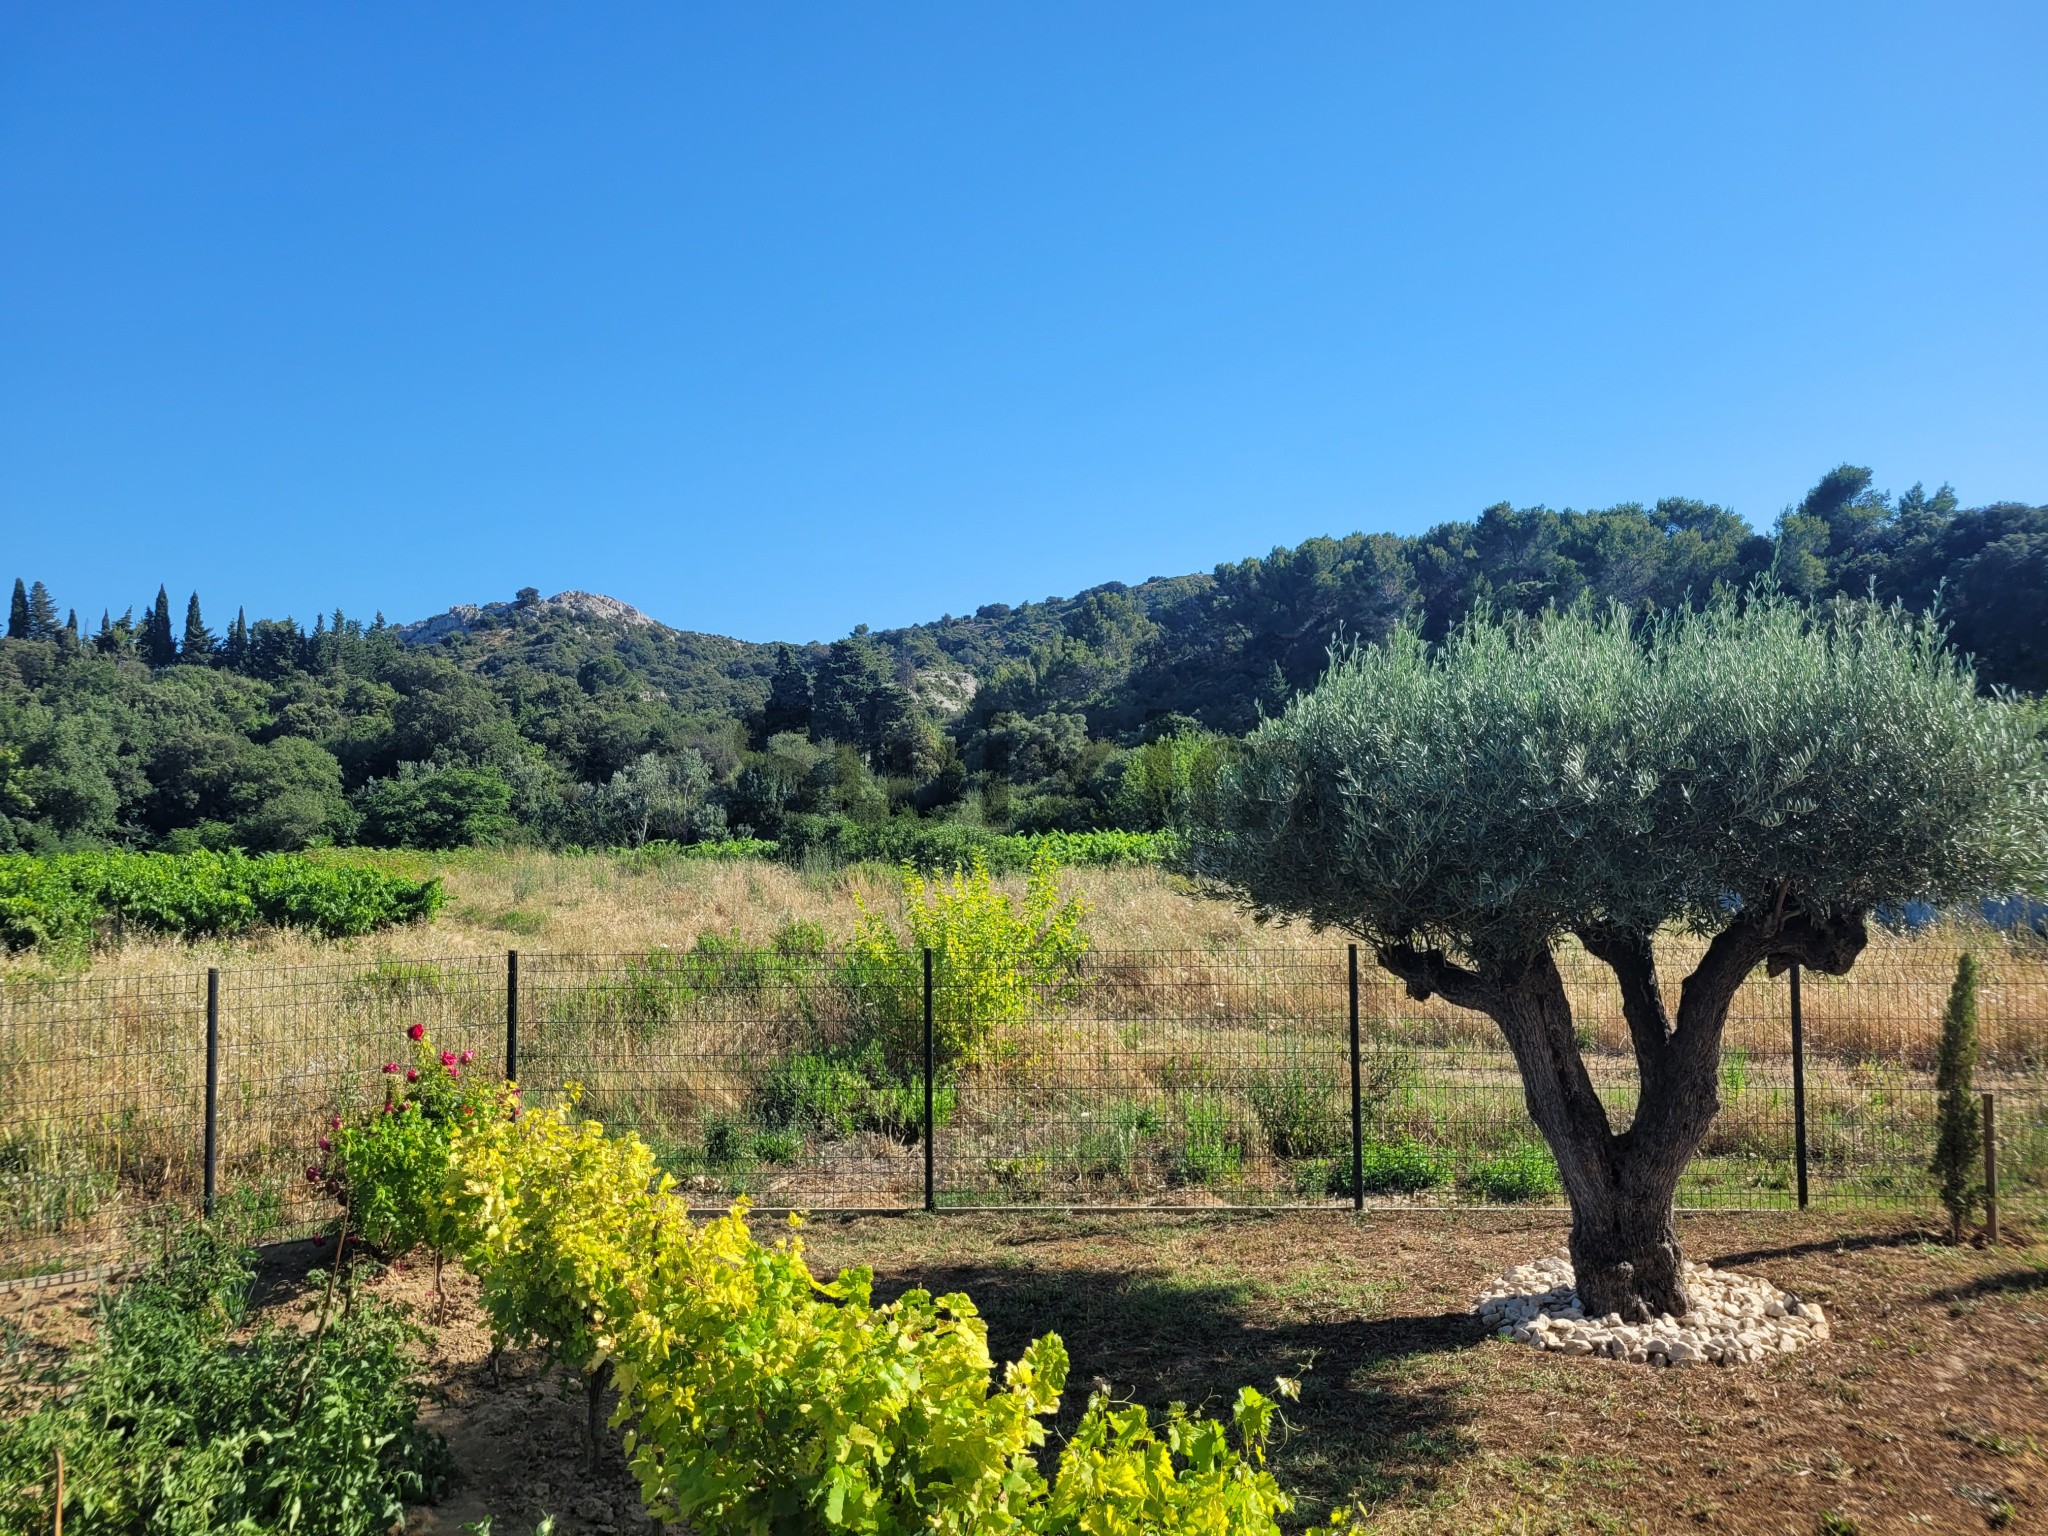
x,y
1735,1319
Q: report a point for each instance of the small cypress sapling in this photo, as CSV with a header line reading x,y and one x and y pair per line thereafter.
x,y
1958,1135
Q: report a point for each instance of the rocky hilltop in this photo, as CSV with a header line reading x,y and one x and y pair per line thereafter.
x,y
465,617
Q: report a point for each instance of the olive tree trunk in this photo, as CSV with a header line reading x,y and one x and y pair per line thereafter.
x,y
1624,1245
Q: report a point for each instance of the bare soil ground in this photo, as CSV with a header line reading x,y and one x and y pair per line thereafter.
x,y
1928,1411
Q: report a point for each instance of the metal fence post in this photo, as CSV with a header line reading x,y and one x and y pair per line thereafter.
x,y
1990,1168
511,1015
1357,1093
211,1155
1798,1088
931,1193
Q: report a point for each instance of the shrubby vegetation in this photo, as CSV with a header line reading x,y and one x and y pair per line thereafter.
x,y
549,722
180,1418
756,1397
63,902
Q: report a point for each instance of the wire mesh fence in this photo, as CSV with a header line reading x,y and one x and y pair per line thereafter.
x,y
800,1078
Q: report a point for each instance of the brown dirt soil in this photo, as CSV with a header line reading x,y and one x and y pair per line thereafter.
x,y
1928,1410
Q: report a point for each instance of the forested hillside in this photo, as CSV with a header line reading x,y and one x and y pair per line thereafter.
x,y
578,720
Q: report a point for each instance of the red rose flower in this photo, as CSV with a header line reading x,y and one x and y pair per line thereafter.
x,y
417,1032
313,1175
334,1124
326,1145
390,1066
412,1074
447,1058
455,1071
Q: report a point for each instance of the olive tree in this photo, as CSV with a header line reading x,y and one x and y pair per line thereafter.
x,y
1761,775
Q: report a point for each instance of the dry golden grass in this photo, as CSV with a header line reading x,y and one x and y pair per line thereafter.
x,y
102,1073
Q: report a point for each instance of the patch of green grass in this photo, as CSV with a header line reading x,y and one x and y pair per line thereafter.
x,y
1526,1173
1209,1150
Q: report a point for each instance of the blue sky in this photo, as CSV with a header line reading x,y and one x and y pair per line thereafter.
x,y
775,319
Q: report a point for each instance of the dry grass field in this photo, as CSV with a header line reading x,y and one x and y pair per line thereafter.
x,y
1152,1081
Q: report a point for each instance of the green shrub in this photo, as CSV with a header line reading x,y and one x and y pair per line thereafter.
x,y
936,846
660,854
176,1419
1113,1145
1525,1172
993,960
1403,1167
778,1148
1297,1108
64,901
831,1095
1209,1150
386,1167
762,1399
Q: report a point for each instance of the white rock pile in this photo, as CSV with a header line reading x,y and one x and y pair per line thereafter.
x,y
1735,1319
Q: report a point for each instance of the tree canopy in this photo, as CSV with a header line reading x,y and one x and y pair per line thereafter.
x,y
1531,776
1765,773
1041,716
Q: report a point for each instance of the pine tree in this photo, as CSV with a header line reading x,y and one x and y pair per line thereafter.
x,y
159,644
1958,1132
17,613
42,613
198,642
789,696
71,623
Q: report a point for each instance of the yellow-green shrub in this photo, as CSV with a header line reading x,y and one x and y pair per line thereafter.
x,y
758,1399
991,957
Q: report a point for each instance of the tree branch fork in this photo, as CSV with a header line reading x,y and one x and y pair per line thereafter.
x,y
1621,1184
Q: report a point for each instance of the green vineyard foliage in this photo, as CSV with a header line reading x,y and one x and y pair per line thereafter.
x,y
67,902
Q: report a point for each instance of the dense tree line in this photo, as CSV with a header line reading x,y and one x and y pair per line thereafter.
x,y
529,720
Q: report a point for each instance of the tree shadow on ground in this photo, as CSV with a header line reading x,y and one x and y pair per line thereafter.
x,y
1908,1238
2005,1283
1374,1420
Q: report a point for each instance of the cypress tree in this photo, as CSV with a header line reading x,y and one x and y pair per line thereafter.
x,y
235,654
198,642
159,645
1958,1130
42,614
17,612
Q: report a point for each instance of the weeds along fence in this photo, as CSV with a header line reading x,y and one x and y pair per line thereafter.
x,y
1177,1078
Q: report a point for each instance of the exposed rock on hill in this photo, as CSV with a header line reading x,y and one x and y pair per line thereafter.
x,y
464,617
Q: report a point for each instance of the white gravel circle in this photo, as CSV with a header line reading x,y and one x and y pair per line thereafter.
x,y
1735,1319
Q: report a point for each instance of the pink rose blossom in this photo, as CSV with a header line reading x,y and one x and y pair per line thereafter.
x,y
326,1145
313,1175
455,1071
390,1066
468,1057
334,1124
447,1058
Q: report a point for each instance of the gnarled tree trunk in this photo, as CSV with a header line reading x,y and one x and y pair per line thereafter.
x,y
1624,1246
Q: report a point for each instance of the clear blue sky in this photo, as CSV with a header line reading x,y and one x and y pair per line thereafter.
x,y
773,319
